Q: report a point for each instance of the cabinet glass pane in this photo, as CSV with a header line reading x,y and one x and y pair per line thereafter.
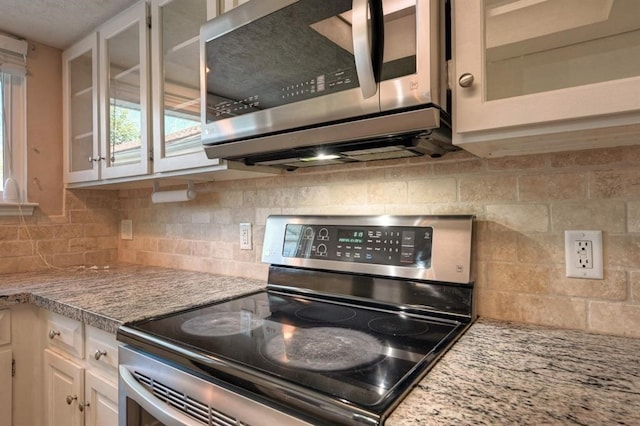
x,y
181,21
125,119
81,112
543,45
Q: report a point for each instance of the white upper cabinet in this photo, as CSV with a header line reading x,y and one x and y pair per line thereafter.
x,y
539,76
175,52
124,87
80,111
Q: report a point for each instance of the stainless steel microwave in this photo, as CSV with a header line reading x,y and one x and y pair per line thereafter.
x,y
284,82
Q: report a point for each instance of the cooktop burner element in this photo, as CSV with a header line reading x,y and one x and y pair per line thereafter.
x,y
324,349
331,314
220,324
398,326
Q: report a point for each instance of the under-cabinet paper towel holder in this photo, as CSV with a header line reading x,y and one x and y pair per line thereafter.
x,y
173,196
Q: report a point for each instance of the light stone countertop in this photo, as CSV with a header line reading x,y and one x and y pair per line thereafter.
x,y
497,373
107,298
501,373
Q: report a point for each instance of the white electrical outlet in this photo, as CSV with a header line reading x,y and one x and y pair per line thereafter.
x,y
583,254
245,236
126,229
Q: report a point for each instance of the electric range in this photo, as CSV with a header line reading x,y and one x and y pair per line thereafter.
x,y
355,312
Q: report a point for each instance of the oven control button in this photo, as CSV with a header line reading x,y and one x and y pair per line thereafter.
x,y
323,234
321,250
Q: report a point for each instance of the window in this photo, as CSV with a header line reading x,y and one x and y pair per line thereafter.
x,y
13,167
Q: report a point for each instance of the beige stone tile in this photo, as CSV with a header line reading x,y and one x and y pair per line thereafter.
x,y
68,231
387,192
46,232
607,216
9,264
619,183
222,250
495,246
518,278
524,162
263,213
588,157
31,263
541,248
348,194
488,188
472,165
100,230
633,216
15,248
167,245
8,233
82,244
614,318
622,251
64,260
634,283
201,217
432,190
558,186
109,242
409,172
52,246
101,257
612,287
184,247
532,308
520,217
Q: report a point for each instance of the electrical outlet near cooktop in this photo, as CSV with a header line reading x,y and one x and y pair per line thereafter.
x,y
583,254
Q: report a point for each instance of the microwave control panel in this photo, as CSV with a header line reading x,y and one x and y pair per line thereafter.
x,y
394,245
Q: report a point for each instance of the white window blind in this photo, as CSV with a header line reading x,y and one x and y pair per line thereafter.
x,y
13,167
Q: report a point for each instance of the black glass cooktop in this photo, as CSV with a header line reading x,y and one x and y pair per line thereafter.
x,y
357,354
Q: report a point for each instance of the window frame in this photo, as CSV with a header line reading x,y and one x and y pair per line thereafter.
x,y
13,73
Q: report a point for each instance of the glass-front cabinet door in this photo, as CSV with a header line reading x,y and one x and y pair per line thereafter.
x,y
176,82
80,109
519,62
125,94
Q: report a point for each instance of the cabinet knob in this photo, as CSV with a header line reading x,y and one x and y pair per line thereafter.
x,y
99,354
53,333
70,399
82,406
466,80
91,160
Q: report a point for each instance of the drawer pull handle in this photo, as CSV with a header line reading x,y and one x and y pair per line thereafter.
x,y
70,399
82,406
53,334
99,354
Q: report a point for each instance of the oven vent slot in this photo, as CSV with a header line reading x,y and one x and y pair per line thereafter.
x,y
190,406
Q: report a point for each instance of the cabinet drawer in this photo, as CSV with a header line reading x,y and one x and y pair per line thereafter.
x,y
101,348
5,327
65,334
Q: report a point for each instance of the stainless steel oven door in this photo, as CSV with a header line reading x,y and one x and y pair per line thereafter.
x,y
154,393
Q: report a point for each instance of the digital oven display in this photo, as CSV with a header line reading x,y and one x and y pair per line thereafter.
x,y
350,236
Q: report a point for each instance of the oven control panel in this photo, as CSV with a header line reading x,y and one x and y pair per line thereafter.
x,y
382,245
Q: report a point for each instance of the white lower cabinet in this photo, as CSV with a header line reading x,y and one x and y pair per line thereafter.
x,y
63,384
6,361
6,382
80,374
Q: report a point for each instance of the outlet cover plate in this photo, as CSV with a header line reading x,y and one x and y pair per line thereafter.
x,y
583,254
126,229
245,236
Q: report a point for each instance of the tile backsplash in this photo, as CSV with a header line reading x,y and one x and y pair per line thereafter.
x,y
523,206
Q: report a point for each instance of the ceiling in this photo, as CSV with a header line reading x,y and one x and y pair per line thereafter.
x,y
56,23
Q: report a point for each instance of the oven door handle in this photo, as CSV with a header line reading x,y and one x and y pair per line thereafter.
x,y
152,405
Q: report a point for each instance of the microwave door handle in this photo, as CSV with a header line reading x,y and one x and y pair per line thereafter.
x,y
362,48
